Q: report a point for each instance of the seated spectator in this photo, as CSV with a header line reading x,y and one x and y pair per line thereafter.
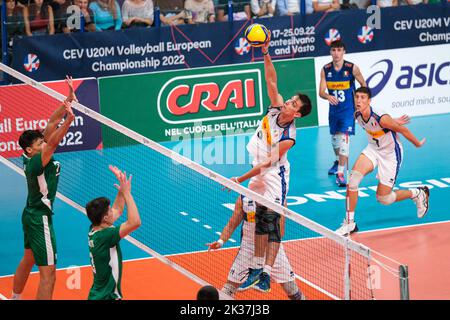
x,y
137,13
14,23
107,15
387,3
171,11
38,18
200,11
88,17
60,15
241,10
263,8
288,7
413,2
361,4
326,5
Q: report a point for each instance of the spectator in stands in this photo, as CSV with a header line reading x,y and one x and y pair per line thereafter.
x,y
360,4
387,3
107,15
15,25
137,13
326,5
60,15
38,18
241,10
88,15
171,11
200,11
263,8
288,7
413,2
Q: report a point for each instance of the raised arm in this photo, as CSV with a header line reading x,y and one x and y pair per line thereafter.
x,y
119,203
56,137
59,113
271,77
387,122
232,224
134,220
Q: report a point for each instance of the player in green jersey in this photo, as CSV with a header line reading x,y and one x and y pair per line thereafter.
x,y
104,238
42,174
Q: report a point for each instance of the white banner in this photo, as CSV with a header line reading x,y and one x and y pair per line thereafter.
x,y
413,81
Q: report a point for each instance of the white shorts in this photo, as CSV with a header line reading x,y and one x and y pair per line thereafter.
x,y
272,184
388,163
281,271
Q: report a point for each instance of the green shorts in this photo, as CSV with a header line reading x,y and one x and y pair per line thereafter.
x,y
39,236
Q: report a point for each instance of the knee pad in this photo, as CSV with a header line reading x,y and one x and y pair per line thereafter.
x,y
389,199
340,142
267,222
354,180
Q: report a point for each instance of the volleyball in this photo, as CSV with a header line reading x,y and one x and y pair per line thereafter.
x,y
256,34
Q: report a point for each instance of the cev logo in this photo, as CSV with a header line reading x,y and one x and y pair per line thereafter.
x,y
206,97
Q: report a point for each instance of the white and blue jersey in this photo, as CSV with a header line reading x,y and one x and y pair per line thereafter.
x,y
341,84
273,182
282,270
385,149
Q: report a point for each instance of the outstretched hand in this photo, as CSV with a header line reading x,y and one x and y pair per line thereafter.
x,y
71,97
215,245
124,185
69,112
404,119
265,46
421,142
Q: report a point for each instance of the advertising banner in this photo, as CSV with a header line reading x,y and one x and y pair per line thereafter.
x,y
22,107
165,106
403,81
144,50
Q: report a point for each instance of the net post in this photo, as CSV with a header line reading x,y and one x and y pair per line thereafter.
x,y
347,285
404,282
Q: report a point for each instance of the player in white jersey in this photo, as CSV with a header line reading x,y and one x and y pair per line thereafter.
x,y
384,151
244,211
270,173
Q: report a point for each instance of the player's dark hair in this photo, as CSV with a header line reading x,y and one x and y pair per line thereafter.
x,y
96,209
337,44
208,293
306,107
28,137
365,90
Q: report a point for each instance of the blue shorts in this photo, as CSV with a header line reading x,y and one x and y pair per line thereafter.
x,y
342,123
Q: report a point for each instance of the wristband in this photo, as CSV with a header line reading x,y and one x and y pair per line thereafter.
x,y
220,241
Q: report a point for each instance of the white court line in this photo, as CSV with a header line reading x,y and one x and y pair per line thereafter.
x,y
2,297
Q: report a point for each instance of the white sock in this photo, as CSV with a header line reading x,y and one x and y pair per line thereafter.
x,y
414,192
16,296
267,269
351,216
341,169
258,262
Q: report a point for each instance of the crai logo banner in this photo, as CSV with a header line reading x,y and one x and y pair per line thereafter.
x,y
211,96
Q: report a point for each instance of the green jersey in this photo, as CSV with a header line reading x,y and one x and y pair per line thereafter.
x,y
42,184
106,262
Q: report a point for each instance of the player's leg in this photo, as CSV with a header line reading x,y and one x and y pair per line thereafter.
x,y
341,141
285,276
22,274
365,164
47,280
389,166
334,143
